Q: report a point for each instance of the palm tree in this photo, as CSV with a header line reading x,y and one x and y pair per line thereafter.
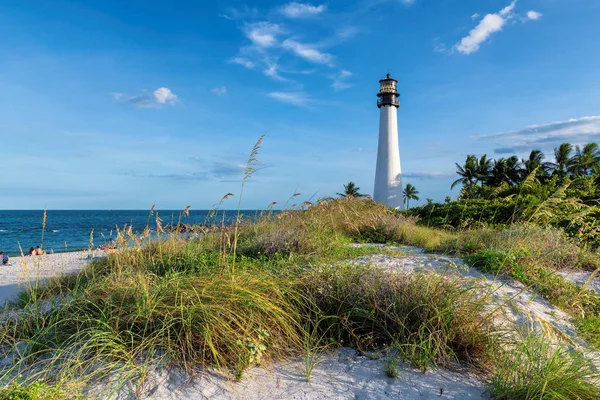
x,y
584,160
410,192
467,173
596,173
483,169
351,190
513,170
536,162
498,173
562,155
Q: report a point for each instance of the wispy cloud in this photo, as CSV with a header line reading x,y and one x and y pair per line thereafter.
x,y
235,14
489,25
578,130
272,42
219,91
243,62
194,176
294,98
272,70
157,99
427,175
534,15
223,170
339,80
263,33
301,10
307,52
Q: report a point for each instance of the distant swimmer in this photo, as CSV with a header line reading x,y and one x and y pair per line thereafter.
x,y
39,251
3,258
31,252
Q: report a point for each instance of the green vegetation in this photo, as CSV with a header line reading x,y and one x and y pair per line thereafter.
x,y
33,391
537,370
503,205
179,303
351,190
497,193
410,193
280,286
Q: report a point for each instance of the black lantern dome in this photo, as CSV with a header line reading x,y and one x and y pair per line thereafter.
x,y
388,96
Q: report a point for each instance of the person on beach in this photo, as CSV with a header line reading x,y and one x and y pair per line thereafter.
x,y
31,252
3,258
39,251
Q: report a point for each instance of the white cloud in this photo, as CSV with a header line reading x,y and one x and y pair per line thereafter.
x,y
548,135
339,81
243,61
219,91
490,24
475,16
346,32
262,34
301,10
295,98
307,52
157,99
507,11
570,127
164,95
234,14
272,71
427,175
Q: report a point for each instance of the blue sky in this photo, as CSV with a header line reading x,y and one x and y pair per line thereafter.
x,y
125,104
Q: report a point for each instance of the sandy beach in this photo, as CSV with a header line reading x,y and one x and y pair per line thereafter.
x,y
22,271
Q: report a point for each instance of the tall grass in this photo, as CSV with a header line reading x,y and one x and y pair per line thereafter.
x,y
537,370
178,302
432,320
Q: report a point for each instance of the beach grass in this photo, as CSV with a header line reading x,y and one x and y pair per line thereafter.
x,y
178,302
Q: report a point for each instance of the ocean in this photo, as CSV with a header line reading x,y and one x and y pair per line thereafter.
x,y
69,230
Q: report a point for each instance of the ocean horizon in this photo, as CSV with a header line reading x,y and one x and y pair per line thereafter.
x,y
72,230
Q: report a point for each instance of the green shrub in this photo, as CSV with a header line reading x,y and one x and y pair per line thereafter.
x,y
32,391
434,319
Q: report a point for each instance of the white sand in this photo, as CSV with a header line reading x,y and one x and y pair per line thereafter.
x,y
342,374
23,271
591,280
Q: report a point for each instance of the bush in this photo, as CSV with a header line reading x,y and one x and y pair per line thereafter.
x,y
432,320
31,391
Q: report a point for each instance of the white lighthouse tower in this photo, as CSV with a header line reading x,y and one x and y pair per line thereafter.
x,y
388,176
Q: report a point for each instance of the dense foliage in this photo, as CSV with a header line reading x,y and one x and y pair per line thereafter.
x,y
495,193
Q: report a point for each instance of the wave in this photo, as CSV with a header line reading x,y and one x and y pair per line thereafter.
x,y
3,230
55,230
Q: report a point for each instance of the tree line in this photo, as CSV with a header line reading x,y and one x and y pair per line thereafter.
x,y
569,162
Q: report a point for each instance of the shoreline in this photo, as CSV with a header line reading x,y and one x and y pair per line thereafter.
x,y
23,270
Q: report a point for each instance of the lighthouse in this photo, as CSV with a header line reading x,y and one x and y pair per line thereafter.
x,y
388,176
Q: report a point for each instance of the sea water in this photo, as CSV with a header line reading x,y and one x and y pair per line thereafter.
x,y
70,230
